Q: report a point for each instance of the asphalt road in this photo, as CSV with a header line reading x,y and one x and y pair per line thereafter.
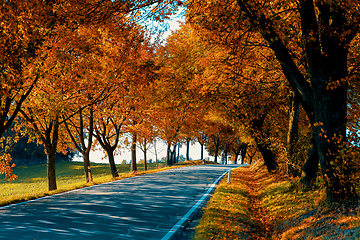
x,y
145,207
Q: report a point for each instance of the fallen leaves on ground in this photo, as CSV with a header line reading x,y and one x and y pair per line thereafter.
x,y
260,205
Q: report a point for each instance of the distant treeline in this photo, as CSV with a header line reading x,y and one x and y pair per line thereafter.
x,y
25,153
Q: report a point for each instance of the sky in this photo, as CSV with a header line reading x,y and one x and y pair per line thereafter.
x,y
99,157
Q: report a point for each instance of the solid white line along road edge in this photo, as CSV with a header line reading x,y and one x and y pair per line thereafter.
x,y
197,204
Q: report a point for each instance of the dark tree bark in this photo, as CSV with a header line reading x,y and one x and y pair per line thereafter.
x,y
50,154
240,150
87,169
217,145
145,160
133,153
50,141
293,131
173,154
168,155
310,167
326,35
187,149
226,152
261,137
243,152
112,165
251,157
268,156
178,153
236,156
202,139
201,151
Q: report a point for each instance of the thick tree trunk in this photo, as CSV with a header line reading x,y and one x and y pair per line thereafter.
x,y
50,142
88,174
50,154
261,138
330,114
113,169
216,153
133,153
310,167
268,156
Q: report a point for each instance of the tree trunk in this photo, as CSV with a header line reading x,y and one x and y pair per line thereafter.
x,y
145,159
50,154
330,113
113,169
236,156
310,167
226,157
292,138
201,151
217,145
173,155
216,153
50,142
261,138
187,149
178,153
156,154
268,156
293,131
168,155
133,153
243,152
88,174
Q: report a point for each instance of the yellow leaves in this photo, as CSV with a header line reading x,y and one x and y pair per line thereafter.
x,y
318,124
334,84
6,167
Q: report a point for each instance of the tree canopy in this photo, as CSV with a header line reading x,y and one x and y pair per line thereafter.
x,y
277,76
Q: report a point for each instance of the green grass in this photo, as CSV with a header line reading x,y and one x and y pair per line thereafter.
x,y
32,181
226,215
288,212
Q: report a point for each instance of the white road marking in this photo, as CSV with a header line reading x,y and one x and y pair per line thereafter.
x,y
188,214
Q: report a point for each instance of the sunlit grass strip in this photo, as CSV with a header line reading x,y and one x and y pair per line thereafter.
x,y
298,215
293,213
32,181
226,215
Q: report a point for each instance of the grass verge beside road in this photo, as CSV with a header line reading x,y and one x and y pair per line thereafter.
x,y
32,180
259,205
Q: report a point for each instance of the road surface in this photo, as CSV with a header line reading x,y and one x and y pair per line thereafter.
x,y
147,207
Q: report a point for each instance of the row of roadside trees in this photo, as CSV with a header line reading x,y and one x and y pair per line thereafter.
x,y
76,75
274,78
